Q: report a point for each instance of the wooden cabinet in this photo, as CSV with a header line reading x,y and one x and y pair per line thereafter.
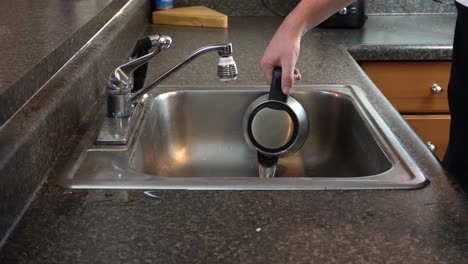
x,y
432,129
418,90
409,85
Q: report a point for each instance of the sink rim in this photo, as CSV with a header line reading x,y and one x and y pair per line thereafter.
x,y
402,165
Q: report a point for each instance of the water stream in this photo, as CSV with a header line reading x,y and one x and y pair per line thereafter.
x,y
266,165
266,172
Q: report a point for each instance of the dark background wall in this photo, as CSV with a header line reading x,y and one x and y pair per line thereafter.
x,y
256,8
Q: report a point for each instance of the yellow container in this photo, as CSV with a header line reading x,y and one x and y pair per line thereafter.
x,y
198,16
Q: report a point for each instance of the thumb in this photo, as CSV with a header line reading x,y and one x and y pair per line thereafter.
x,y
287,79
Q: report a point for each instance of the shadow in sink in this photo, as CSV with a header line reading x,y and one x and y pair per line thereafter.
x,y
193,139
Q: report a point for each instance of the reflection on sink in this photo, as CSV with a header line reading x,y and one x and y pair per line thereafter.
x,y
199,134
192,139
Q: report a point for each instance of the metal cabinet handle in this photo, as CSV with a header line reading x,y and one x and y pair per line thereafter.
x,y
431,146
436,89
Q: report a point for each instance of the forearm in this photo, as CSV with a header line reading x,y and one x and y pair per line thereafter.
x,y
283,49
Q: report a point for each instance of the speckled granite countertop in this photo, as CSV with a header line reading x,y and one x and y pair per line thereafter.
x,y
427,225
38,37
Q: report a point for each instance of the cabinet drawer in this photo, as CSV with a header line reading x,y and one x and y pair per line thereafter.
x,y
408,85
432,128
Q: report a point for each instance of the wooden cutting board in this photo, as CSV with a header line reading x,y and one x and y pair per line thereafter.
x,y
198,16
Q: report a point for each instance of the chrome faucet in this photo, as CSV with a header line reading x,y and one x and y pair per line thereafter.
x,y
123,107
120,83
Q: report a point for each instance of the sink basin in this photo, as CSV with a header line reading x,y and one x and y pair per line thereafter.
x,y
192,138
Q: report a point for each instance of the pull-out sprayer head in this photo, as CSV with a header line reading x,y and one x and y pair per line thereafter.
x,y
227,68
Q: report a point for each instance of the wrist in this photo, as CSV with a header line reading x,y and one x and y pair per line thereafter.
x,y
300,18
292,27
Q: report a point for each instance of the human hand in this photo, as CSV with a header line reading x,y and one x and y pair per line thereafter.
x,y
283,50
285,45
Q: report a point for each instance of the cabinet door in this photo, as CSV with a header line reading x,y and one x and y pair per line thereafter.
x,y
433,129
409,85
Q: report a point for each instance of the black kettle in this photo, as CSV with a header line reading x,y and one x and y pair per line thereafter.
x,y
276,125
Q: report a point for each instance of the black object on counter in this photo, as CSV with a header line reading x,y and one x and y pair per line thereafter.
x,y
352,16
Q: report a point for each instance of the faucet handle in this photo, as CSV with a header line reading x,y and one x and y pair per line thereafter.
x,y
121,83
163,41
141,48
143,45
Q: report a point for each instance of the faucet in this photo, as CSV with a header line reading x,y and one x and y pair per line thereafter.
x,y
123,106
120,83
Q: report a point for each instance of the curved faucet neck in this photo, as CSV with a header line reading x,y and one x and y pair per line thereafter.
x,y
224,50
120,83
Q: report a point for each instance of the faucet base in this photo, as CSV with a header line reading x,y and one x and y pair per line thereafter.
x,y
120,131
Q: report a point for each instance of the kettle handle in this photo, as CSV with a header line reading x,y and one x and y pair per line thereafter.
x,y
275,89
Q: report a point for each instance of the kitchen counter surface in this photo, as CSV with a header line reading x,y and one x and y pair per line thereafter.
x,y
38,37
427,225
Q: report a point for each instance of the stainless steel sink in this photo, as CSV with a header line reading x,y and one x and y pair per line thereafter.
x,y
192,138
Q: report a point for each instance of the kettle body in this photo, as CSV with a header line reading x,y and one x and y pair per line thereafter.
x,y
274,124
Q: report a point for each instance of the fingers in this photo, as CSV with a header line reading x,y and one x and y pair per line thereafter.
x,y
297,74
289,74
267,69
287,79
